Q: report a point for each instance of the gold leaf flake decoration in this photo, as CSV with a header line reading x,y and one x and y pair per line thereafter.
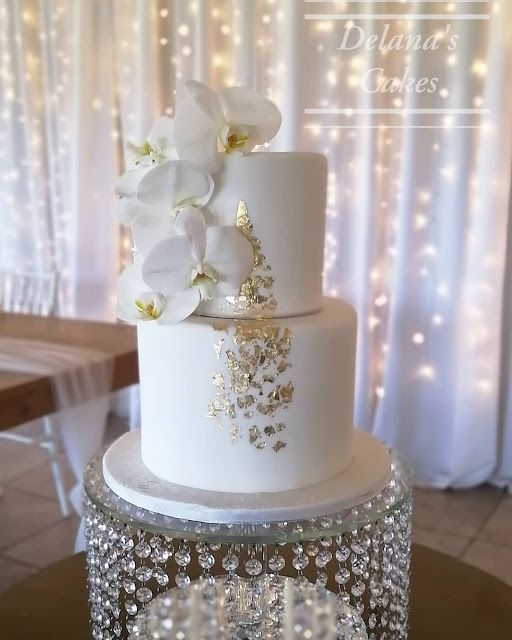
x,y
218,380
254,435
256,294
217,347
251,383
255,438
272,429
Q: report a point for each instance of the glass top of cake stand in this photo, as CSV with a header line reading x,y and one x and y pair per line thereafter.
x,y
396,492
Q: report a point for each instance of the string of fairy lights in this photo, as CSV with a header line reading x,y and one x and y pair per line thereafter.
x,y
155,45
376,287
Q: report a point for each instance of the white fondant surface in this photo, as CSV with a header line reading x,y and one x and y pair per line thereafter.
x,y
182,445
285,194
129,478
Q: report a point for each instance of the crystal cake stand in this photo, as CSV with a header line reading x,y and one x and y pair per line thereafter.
x,y
361,553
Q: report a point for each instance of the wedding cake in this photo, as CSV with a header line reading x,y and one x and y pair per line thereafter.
x,y
246,371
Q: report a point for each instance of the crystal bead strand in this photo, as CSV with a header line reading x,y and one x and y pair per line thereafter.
x,y
251,594
160,554
342,575
94,579
402,542
206,560
299,562
253,566
386,568
143,572
375,581
276,564
392,538
322,559
230,564
120,537
406,564
359,560
128,582
182,558
113,575
105,561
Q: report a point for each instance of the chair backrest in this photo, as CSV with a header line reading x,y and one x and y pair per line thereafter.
x,y
28,292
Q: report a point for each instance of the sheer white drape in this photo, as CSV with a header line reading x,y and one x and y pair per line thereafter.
x,y
417,217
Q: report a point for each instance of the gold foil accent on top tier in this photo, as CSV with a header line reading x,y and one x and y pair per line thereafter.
x,y
256,297
250,384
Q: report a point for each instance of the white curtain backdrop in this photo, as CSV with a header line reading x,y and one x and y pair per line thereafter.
x,y
418,207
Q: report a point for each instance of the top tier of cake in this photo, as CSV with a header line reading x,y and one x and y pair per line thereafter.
x,y
278,201
218,228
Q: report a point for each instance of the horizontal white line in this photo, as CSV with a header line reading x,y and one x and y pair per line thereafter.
x,y
385,126
401,1
397,16
349,111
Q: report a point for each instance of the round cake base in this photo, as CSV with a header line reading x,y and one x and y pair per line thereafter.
x,y
128,477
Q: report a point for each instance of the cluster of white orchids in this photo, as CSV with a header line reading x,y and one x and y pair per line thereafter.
x,y
179,258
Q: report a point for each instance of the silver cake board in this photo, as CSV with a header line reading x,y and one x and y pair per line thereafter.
x,y
129,478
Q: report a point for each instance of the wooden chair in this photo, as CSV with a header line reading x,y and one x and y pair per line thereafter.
x,y
35,293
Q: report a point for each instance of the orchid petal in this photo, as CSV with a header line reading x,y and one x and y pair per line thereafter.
x,y
128,210
206,100
190,223
168,266
128,183
130,283
129,286
230,254
148,230
201,201
133,156
161,135
157,185
191,186
180,306
174,182
196,138
123,315
243,106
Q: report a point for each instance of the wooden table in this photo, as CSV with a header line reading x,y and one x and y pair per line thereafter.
x,y
450,600
25,396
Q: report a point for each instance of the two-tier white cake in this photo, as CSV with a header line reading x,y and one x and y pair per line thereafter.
x,y
246,371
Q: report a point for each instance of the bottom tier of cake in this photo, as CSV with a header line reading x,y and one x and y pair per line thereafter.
x,y
129,478
249,406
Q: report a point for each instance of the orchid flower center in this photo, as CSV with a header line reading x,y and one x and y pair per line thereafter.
x,y
205,282
147,152
234,138
150,307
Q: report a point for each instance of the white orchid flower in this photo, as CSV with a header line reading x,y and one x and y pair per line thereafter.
x,y
137,302
152,199
149,223
129,209
197,263
174,183
158,178
233,121
156,148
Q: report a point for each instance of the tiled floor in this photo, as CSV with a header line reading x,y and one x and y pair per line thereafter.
x,y
474,525
32,530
